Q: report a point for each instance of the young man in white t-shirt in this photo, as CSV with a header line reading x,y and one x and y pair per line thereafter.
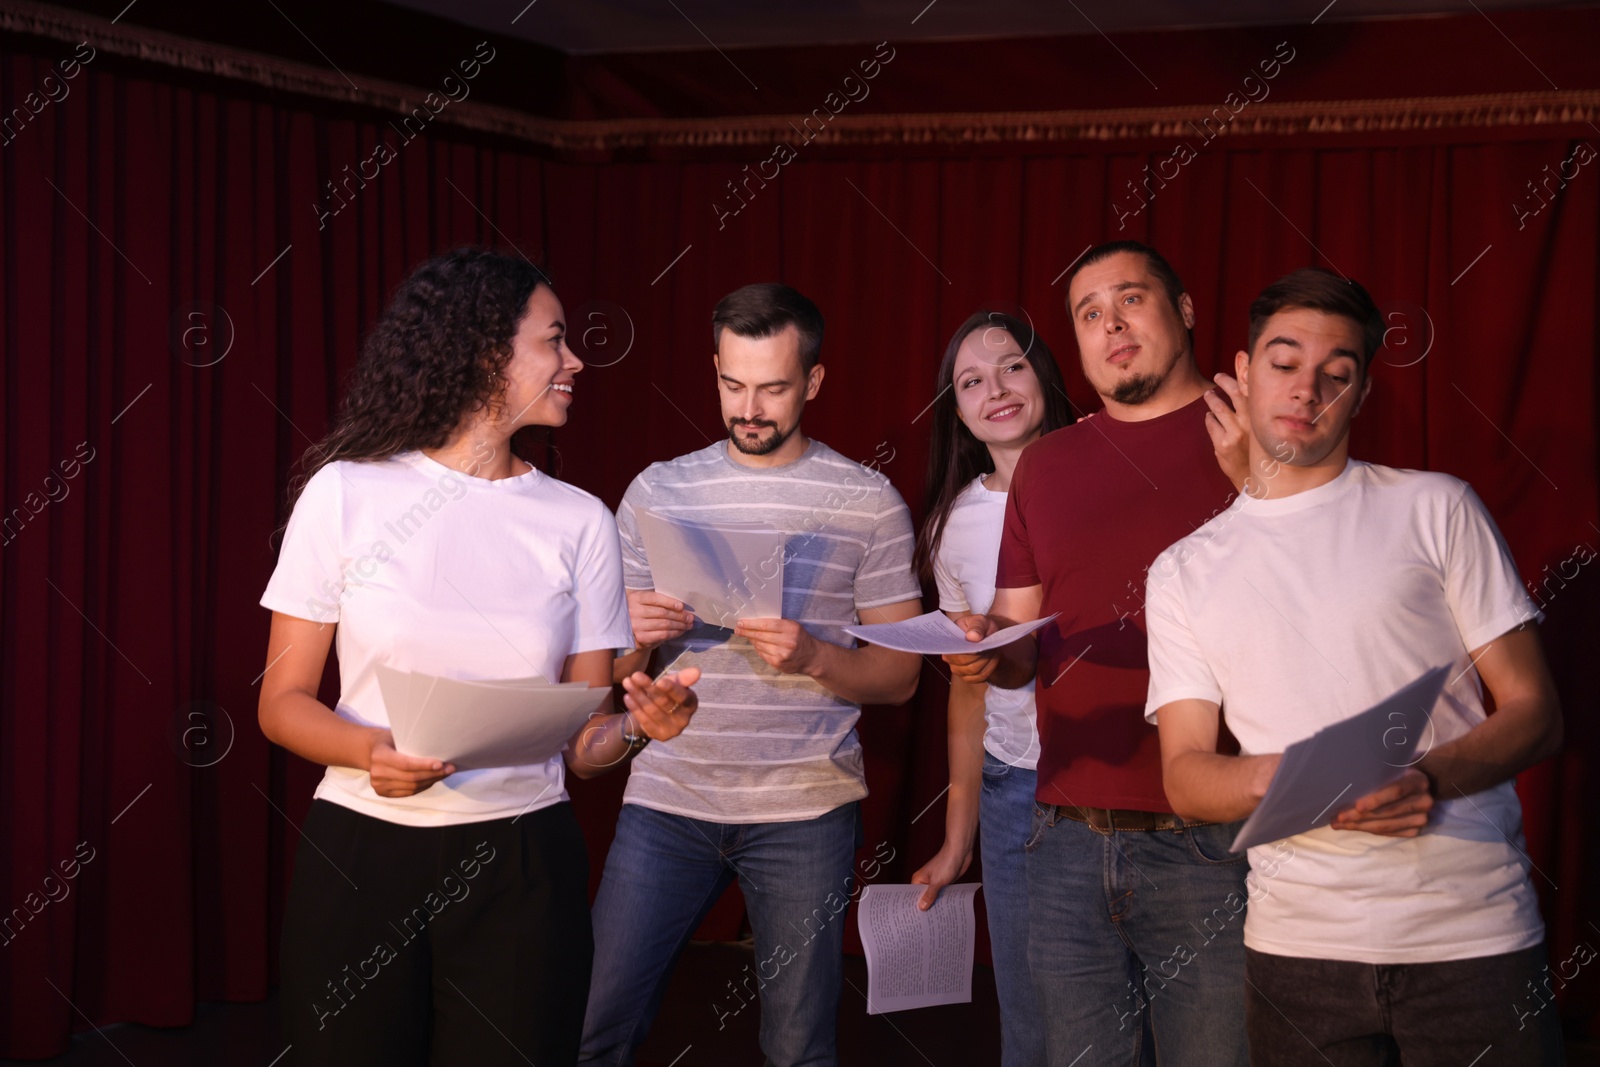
x,y
1409,924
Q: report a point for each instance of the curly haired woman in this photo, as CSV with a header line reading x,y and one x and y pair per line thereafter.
x,y
436,915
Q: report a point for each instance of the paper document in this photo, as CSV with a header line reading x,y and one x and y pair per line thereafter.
x,y
1341,763
915,958
723,572
934,634
477,724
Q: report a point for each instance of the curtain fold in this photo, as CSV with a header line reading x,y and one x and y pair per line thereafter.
x,y
181,302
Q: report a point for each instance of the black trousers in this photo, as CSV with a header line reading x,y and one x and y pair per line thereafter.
x,y
1476,1012
446,945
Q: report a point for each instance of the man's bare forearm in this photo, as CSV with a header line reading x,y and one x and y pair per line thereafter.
x,y
869,674
1216,788
1514,738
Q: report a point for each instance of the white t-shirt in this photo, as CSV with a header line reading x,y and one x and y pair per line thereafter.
x,y
426,569
964,569
1298,612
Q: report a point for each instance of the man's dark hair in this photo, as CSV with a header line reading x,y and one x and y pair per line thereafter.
x,y
766,309
1158,266
1317,289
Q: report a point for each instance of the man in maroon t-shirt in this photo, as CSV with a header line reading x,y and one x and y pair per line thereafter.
x,y
1135,916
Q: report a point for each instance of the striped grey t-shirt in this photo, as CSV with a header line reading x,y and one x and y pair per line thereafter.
x,y
765,746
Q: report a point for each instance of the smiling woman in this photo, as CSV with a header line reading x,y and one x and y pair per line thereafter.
x,y
519,575
999,390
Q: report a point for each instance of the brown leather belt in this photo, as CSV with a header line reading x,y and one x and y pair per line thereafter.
x,y
1108,819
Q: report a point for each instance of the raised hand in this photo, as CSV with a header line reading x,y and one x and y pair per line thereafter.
x,y
663,707
1225,425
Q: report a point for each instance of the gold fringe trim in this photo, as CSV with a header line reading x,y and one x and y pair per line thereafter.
x,y
1486,111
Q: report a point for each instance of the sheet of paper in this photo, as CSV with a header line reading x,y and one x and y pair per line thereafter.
x,y
916,959
484,724
1334,766
520,683
934,634
722,572
395,686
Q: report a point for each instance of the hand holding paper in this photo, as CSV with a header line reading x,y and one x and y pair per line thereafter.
x,y
1399,809
395,774
916,958
721,572
783,643
656,617
934,634
1370,756
484,724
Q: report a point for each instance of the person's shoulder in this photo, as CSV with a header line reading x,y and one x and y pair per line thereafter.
x,y
1419,486
569,513
841,466
359,475
1217,537
1067,439
360,470
566,495
323,492
1055,452
326,477
974,501
690,466
973,494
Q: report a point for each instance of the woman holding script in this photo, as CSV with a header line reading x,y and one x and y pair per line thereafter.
x,y
441,915
999,390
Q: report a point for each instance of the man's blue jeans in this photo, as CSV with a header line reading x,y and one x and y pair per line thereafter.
x,y
1005,821
663,874
1129,921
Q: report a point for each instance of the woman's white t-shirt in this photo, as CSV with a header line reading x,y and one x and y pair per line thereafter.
x,y
430,570
964,570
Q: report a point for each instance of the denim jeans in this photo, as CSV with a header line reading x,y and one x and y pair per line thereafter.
x,y
1126,922
1005,819
1486,1011
663,874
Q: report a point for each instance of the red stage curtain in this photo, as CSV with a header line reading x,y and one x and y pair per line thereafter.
x,y
141,485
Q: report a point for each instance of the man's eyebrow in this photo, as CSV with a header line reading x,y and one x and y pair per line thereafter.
x,y
1290,342
730,379
1119,287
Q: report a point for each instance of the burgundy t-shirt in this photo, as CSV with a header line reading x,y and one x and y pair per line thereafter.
x,y
1090,508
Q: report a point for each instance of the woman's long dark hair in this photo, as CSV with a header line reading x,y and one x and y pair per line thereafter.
x,y
433,357
955,457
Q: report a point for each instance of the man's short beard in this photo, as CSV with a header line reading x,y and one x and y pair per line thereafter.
x,y
1131,392
761,447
